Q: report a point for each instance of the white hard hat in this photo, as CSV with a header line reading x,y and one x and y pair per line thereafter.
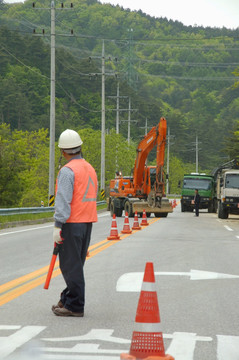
x,y
69,139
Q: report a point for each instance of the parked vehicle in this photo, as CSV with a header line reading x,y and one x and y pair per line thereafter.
x,y
206,188
227,178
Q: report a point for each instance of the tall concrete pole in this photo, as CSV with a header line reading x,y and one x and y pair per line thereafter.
x,y
117,109
146,126
52,110
102,174
196,154
129,119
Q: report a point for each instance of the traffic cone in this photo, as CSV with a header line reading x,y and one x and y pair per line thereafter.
x,y
126,228
144,221
114,231
136,222
147,339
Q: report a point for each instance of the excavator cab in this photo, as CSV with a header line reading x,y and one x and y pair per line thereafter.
x,y
152,171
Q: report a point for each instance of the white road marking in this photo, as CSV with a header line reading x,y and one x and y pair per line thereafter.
x,y
228,228
39,227
80,357
84,349
10,327
183,345
94,334
23,230
8,344
132,282
227,347
103,215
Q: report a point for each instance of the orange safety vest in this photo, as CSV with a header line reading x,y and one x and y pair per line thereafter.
x,y
83,204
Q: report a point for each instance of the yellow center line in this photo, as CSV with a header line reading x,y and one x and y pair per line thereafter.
x,y
17,287
23,279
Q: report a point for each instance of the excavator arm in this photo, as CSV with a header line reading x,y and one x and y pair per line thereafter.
x,y
161,142
155,137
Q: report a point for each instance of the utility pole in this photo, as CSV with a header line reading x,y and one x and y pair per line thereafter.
x,y
168,159
131,73
129,118
145,127
196,154
118,97
52,109
51,192
145,133
117,109
102,173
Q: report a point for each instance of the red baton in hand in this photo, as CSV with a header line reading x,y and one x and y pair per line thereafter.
x,y
52,264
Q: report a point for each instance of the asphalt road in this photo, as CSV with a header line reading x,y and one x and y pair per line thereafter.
x,y
197,282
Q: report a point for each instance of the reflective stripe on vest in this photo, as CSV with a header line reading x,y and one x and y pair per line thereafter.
x,y
83,205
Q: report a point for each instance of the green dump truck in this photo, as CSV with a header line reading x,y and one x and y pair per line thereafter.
x,y
207,190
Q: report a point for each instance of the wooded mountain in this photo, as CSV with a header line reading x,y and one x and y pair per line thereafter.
x,y
186,74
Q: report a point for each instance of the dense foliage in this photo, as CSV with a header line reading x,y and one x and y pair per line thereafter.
x,y
187,74
24,162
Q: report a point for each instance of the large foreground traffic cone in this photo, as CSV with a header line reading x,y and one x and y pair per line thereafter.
x,y
147,339
114,231
126,228
136,222
144,221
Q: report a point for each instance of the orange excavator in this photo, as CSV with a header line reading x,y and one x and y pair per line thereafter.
x,y
145,189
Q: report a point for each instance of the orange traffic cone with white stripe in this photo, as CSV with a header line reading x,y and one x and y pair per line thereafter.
x,y
136,222
114,230
126,228
144,221
147,339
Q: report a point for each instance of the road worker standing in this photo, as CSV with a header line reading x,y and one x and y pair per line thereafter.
x,y
75,211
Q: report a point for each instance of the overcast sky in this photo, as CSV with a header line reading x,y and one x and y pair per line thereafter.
x,y
214,13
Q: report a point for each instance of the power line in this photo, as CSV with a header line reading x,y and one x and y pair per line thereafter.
x,y
23,64
75,102
190,64
147,41
232,79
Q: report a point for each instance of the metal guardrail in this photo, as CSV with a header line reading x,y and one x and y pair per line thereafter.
x,y
33,210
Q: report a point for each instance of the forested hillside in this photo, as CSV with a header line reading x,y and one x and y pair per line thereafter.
x,y
187,74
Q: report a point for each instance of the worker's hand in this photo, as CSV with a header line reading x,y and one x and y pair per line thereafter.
x,y
57,238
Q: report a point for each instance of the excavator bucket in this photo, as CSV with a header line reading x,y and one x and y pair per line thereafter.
x,y
166,207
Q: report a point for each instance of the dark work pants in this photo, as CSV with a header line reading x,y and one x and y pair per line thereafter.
x,y
72,255
197,209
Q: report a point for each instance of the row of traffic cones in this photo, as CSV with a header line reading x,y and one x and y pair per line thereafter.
x,y
174,203
114,235
147,338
